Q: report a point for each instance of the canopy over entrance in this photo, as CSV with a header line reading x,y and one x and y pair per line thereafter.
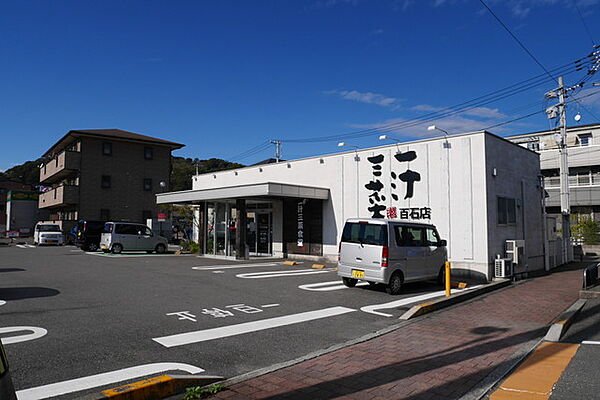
x,y
266,189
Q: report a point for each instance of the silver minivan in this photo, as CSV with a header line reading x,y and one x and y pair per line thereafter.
x,y
120,236
390,252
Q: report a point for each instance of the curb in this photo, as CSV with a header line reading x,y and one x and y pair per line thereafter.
x,y
435,305
155,388
564,321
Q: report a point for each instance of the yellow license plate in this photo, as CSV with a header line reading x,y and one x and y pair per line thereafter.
x,y
358,274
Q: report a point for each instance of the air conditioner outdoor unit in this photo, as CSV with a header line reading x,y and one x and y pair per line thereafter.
x,y
515,250
503,267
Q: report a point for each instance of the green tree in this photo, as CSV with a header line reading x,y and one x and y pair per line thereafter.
x,y
27,173
586,230
184,168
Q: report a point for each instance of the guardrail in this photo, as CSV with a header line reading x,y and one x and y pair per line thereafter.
x,y
590,276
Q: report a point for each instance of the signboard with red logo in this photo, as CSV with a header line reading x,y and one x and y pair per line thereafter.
x,y
162,217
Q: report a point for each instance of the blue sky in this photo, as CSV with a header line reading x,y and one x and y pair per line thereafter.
x,y
225,76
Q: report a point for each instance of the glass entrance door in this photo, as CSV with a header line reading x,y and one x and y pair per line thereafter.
x,y
263,233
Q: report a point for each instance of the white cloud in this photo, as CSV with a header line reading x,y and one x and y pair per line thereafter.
x,y
482,112
376,32
365,97
454,124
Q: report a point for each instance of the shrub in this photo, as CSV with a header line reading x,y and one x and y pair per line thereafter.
x,y
587,231
199,392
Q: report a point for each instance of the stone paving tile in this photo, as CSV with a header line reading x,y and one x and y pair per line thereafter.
x,y
439,357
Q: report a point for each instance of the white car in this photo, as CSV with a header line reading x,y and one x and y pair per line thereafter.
x,y
48,234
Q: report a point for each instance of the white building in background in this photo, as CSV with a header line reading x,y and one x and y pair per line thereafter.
x,y
583,149
478,189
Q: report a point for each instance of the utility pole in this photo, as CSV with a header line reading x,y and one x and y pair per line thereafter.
x,y
565,208
277,144
561,139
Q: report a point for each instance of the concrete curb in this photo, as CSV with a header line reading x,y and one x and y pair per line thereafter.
x,y
435,305
155,388
564,321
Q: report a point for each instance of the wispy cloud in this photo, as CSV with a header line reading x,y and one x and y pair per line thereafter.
x,y
453,124
482,112
365,97
376,32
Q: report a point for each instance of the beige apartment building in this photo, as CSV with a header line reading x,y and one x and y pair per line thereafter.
x,y
104,174
583,149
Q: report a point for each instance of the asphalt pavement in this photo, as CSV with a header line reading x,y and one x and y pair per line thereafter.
x,y
66,315
580,378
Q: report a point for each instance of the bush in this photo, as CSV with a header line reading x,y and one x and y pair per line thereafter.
x,y
199,392
587,231
189,245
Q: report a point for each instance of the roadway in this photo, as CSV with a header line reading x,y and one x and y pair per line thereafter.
x,y
67,315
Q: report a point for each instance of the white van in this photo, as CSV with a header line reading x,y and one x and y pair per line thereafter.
x,y
390,252
120,236
48,234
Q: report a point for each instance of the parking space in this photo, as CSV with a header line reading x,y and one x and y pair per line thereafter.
x,y
110,314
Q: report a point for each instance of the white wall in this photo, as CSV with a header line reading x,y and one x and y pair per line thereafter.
x,y
452,184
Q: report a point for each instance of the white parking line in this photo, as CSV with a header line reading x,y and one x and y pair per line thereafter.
x,y
279,274
36,334
590,342
239,329
269,305
328,286
211,267
21,246
2,302
408,300
31,246
107,378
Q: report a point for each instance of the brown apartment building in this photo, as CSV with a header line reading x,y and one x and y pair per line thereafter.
x,y
105,174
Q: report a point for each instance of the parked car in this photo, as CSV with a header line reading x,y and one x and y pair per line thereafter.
x,y
48,234
89,234
121,236
390,252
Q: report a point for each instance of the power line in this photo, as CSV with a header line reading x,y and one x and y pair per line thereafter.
x,y
584,24
517,40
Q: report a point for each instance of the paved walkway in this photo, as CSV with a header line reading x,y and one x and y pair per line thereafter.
x,y
442,356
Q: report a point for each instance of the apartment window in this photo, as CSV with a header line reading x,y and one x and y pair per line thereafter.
x,y
107,149
146,214
584,140
147,184
535,146
105,182
148,153
507,212
104,214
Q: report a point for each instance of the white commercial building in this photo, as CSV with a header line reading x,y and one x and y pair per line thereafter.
x,y
478,189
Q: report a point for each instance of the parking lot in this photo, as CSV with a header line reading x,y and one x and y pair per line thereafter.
x,y
67,315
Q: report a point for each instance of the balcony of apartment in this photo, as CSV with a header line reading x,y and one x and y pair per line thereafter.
x,y
59,197
60,167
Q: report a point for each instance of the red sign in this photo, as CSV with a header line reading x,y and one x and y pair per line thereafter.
x,y
162,217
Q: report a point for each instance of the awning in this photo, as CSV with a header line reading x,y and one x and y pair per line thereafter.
x,y
267,189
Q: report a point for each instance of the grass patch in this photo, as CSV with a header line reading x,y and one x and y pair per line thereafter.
x,y
200,392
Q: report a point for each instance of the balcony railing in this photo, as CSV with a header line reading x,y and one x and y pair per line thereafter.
x,y
60,196
61,166
574,181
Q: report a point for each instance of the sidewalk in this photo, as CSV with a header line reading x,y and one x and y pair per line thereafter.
x,y
446,355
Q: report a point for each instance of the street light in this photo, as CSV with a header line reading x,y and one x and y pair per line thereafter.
x,y
436,128
386,137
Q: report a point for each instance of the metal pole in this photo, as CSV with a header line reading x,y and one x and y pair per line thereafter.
x,y
447,273
565,208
